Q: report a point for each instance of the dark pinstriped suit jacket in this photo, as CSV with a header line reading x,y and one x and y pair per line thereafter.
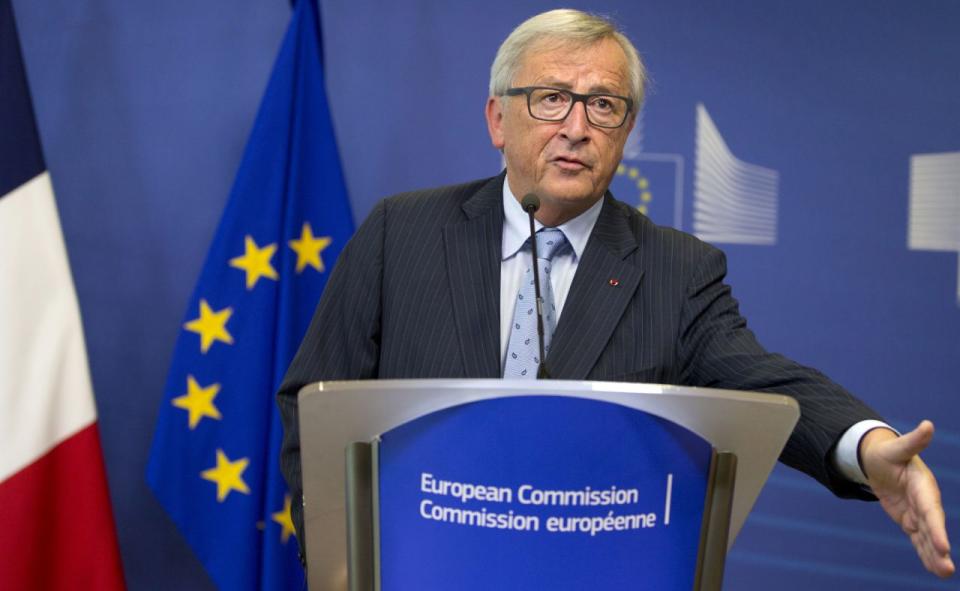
x,y
415,294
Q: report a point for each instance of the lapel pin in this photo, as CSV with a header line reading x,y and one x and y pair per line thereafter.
x,y
614,282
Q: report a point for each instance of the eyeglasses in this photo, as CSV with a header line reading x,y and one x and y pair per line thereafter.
x,y
554,104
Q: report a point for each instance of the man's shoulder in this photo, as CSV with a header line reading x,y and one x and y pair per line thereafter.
x,y
649,234
450,197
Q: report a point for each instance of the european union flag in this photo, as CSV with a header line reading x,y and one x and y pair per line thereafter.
x,y
214,463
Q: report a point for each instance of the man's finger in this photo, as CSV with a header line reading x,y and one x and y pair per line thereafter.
x,y
930,539
939,563
935,524
948,568
901,449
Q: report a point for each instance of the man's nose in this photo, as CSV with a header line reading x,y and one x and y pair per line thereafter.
x,y
576,126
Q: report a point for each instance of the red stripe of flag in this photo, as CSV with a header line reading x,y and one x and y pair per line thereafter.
x,y
56,525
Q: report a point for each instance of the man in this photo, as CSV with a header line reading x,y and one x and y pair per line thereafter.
x,y
420,288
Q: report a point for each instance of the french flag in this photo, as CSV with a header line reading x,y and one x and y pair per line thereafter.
x,y
56,525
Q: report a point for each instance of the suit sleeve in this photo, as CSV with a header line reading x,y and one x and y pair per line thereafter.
x,y
342,343
717,350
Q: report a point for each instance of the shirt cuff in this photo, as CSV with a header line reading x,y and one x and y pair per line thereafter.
x,y
846,456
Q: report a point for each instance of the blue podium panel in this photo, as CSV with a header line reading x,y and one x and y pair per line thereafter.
x,y
541,492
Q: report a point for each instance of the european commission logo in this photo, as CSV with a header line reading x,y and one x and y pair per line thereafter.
x,y
934,222
653,182
734,202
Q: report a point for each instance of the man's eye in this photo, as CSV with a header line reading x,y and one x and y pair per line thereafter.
x,y
602,103
553,97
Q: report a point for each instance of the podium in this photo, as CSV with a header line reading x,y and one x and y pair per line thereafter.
x,y
499,484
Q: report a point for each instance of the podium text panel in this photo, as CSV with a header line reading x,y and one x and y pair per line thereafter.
x,y
540,492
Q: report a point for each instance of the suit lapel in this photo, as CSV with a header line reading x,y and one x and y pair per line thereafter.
x,y
475,282
603,286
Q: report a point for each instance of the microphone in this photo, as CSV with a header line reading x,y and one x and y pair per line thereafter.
x,y
530,204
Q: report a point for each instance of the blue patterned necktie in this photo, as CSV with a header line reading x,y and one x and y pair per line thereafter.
x,y
523,350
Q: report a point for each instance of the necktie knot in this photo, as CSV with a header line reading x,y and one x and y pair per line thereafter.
x,y
550,241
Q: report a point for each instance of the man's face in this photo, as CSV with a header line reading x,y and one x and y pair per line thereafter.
x,y
569,164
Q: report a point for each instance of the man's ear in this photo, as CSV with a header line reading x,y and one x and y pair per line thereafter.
x,y
494,113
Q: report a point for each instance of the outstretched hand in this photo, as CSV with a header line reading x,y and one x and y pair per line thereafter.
x,y
908,491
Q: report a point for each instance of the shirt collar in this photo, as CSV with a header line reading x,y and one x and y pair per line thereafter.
x,y
516,225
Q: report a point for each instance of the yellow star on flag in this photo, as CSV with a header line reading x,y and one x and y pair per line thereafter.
x,y
198,401
255,261
211,326
308,249
228,475
285,520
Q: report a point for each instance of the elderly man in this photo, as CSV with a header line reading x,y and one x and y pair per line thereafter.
x,y
434,282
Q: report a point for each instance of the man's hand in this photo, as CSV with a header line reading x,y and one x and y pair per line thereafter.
x,y
908,492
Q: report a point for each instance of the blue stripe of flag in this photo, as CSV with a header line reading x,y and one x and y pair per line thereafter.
x,y
20,156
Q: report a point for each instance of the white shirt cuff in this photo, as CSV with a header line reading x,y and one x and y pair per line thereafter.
x,y
846,456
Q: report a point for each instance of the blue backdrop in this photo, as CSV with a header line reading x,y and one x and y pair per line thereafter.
x,y
819,109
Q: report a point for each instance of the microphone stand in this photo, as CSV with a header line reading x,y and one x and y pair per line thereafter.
x,y
530,204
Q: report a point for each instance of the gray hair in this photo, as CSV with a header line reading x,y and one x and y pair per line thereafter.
x,y
564,26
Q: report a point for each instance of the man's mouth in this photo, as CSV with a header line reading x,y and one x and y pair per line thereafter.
x,y
570,163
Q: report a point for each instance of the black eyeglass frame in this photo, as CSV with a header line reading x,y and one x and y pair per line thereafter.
x,y
577,98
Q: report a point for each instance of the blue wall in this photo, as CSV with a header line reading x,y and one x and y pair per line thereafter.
x,y
144,108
